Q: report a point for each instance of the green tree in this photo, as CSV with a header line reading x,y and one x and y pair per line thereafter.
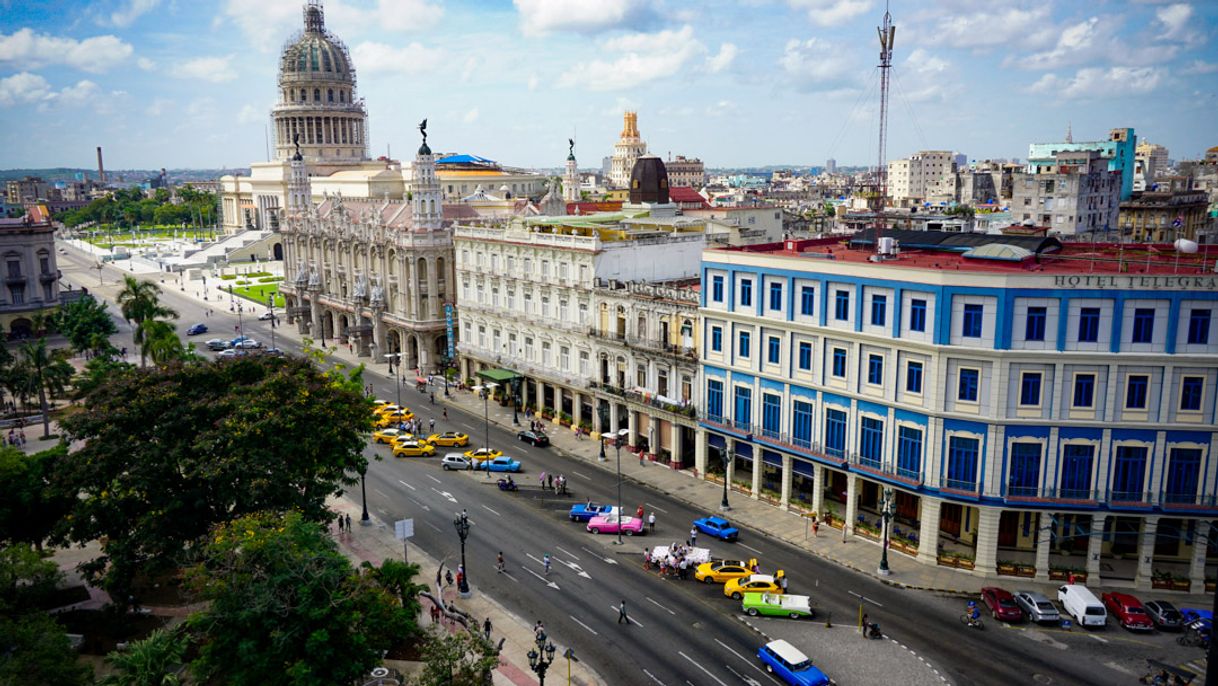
x,y
87,325
397,577
287,607
140,304
169,452
156,660
29,508
44,370
460,659
97,371
27,578
162,343
37,651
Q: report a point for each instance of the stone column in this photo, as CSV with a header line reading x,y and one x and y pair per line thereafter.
x,y
577,400
784,500
614,419
928,530
700,450
1044,541
379,337
1095,547
986,559
415,306
818,490
1146,552
1196,568
676,444
315,317
758,463
424,354
597,427
632,424
433,291
731,466
406,288
851,504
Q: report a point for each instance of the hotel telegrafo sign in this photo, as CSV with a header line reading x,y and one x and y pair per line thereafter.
x,y
1122,281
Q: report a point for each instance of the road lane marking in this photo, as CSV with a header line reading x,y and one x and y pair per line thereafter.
x,y
573,619
568,552
432,526
509,576
543,580
434,479
446,494
656,507
704,669
1101,640
581,475
653,677
742,658
406,484
420,503
607,560
380,493
750,548
492,511
648,599
632,620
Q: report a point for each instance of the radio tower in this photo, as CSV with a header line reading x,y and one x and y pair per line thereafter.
x,y
887,33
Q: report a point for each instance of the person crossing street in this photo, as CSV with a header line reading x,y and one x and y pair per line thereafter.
x,y
621,614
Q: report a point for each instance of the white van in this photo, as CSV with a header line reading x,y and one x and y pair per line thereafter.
x,y
1081,604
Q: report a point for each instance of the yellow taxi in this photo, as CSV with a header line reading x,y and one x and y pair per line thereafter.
x,y
754,583
402,437
449,439
382,408
413,449
388,436
483,454
378,404
722,571
392,418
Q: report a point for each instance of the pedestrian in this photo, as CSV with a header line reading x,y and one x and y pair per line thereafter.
x,y
340,524
499,562
435,614
546,561
431,425
693,535
486,626
348,523
639,512
651,522
863,628
550,481
621,613
448,577
21,437
782,580
539,631
446,414
683,569
815,526
542,479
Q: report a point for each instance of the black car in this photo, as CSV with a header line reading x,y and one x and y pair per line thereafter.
x,y
1164,615
537,438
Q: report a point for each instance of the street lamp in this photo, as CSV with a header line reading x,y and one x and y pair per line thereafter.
x,y
398,376
364,519
99,268
540,659
515,400
461,522
887,505
446,361
485,391
727,455
272,311
603,411
618,438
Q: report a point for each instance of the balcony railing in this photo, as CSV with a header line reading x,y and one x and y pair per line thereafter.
x,y
661,346
687,409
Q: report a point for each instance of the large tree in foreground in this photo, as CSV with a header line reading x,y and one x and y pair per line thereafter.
x,y
286,607
171,451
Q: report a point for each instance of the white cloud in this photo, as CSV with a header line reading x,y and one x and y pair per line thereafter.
x,y
539,17
924,77
29,50
408,59
250,114
721,108
213,69
646,57
993,27
470,116
23,88
812,62
134,10
79,94
265,22
1096,82
1076,43
831,12
145,64
1201,67
726,55
534,82
1176,21
159,106
468,69
406,15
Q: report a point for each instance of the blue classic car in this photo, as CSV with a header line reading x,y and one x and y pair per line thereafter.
x,y
500,464
786,662
582,512
717,527
196,329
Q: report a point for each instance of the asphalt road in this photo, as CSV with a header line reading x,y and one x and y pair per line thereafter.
x,y
680,632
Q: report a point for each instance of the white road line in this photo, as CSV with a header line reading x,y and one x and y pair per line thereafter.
x,y
750,548
648,599
742,658
406,484
434,479
573,619
653,677
581,475
492,511
509,576
432,526
379,492
1101,640
632,620
566,551
656,507
704,669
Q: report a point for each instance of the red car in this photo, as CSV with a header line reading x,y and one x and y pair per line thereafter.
x,y
1128,611
1001,604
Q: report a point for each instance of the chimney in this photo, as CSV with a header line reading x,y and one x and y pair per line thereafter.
x,y
101,169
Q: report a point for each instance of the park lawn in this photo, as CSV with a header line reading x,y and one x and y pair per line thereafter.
x,y
103,237
261,294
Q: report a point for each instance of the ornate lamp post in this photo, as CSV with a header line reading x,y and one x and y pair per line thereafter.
x,y
398,376
887,507
618,438
540,659
485,391
363,489
603,411
515,399
462,525
727,455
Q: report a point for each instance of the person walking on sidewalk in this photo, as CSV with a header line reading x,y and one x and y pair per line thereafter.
x,y
693,536
340,524
651,522
446,414
348,523
621,614
431,425
486,626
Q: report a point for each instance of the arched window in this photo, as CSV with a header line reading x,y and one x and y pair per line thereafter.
x,y
329,95
325,60
342,96
304,95
316,95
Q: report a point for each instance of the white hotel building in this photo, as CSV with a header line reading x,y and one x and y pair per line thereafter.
x,y
1037,408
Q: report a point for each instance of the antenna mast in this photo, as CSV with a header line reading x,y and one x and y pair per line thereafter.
x,y
887,33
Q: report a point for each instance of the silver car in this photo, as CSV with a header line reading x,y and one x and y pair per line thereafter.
x,y
1037,607
454,461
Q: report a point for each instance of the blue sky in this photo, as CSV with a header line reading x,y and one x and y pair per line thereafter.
x,y
180,83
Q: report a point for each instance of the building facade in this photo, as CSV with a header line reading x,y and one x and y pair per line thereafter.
x,y
629,148
1119,151
31,276
1162,216
689,172
1150,162
1029,404
1077,194
919,177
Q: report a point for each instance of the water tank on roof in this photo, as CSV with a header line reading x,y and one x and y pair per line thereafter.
x,y
887,245
1185,246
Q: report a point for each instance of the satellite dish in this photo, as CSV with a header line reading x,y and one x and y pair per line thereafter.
x,y
380,673
1185,246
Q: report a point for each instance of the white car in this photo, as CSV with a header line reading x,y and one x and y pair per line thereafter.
x,y
266,316
248,344
454,461
217,344
231,353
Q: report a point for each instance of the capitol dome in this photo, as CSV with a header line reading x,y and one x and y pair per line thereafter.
x,y
318,103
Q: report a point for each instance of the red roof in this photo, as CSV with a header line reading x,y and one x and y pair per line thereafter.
x,y
587,207
684,195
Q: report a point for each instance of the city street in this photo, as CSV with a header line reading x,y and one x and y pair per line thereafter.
x,y
679,632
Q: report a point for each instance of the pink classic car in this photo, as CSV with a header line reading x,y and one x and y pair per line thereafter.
x,y
609,525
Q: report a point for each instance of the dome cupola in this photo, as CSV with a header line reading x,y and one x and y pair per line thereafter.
x,y
649,181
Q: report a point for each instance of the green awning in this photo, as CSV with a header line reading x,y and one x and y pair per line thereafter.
x,y
498,375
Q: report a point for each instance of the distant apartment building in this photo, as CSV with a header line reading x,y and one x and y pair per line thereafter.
x,y
29,189
921,176
1079,193
683,171
1118,151
1150,162
1174,210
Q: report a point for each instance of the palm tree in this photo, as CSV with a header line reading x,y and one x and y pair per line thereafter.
x,y
140,303
43,369
161,342
152,661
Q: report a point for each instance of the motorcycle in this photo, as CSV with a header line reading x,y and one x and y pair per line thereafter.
x,y
873,631
968,621
508,485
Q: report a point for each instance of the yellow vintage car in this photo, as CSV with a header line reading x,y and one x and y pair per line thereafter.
x,y
380,410
449,439
483,454
388,436
722,571
394,418
403,437
755,583
413,449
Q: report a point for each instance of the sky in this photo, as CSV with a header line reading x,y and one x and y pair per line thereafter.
x,y
190,83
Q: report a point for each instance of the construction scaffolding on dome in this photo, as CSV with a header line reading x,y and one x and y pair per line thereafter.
x,y
467,160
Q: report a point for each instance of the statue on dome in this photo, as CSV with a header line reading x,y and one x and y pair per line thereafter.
x,y
571,146
423,130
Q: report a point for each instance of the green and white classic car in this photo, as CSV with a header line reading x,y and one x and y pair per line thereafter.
x,y
793,606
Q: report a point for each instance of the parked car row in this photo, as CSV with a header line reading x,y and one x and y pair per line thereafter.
x,y
1080,605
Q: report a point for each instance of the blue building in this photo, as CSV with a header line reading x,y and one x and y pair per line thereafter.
x,y
1119,150
1025,400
